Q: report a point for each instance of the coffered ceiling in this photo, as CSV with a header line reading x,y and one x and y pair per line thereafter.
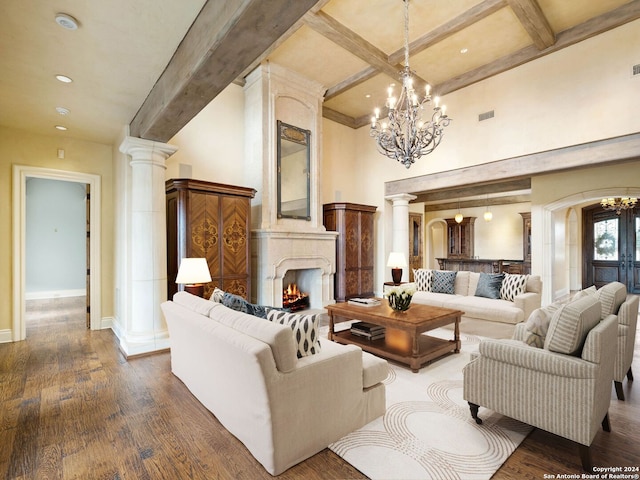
x,y
130,67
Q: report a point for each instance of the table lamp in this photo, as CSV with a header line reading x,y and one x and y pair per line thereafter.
x,y
396,261
193,274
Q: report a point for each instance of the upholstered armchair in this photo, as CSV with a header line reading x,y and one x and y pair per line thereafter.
x,y
614,300
563,387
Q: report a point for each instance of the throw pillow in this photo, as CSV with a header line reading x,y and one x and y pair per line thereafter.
x,y
570,325
236,302
443,281
489,285
217,295
537,325
423,278
305,330
512,286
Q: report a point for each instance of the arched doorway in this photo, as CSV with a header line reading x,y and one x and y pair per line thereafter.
x,y
611,246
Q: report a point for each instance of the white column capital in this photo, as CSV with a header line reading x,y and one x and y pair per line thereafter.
x,y
400,198
147,151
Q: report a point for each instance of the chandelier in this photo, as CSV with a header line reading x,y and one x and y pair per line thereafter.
x,y
618,204
406,137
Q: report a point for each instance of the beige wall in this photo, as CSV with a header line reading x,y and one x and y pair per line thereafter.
x,y
580,94
18,147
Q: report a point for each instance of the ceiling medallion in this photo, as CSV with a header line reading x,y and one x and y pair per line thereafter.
x,y
407,137
618,204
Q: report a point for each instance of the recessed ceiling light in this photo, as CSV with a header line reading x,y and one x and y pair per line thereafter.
x,y
464,50
64,78
61,127
62,110
368,95
66,21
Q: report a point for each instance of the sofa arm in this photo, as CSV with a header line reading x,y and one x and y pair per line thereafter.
x,y
528,302
628,312
520,354
520,332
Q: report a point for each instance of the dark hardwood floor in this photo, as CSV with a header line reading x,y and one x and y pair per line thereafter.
x,y
73,407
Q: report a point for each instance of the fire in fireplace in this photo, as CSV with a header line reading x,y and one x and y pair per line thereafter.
x,y
294,299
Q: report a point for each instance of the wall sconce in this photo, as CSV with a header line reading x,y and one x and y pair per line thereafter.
x,y
193,274
396,261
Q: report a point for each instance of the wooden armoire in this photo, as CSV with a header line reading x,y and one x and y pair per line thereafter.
x,y
354,248
212,221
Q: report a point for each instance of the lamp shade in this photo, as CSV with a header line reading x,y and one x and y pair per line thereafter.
x,y
193,270
397,260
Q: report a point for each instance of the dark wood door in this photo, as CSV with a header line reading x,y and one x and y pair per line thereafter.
x,y
611,246
416,258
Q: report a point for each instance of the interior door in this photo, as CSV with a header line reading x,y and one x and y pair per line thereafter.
x,y
611,248
88,243
415,243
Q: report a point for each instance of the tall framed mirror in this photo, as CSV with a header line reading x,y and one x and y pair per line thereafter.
x,y
294,178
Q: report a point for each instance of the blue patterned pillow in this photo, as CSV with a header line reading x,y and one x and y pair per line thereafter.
x,y
236,302
443,281
489,285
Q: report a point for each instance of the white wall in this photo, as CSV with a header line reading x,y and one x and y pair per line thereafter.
x,y
55,244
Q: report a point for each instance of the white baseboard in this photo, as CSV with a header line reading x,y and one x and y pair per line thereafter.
x,y
55,294
6,336
106,322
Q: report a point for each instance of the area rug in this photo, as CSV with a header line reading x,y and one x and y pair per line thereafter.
x,y
427,431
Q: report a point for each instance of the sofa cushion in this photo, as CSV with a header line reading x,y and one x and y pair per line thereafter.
x,y
305,330
585,292
443,282
461,283
495,310
512,286
278,337
194,303
570,325
489,285
423,278
611,296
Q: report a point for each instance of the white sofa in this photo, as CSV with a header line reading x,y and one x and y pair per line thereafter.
x,y
497,310
245,370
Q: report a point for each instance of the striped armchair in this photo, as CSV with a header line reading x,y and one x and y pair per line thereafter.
x,y
563,387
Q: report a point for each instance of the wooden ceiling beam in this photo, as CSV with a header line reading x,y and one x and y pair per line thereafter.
x,y
607,21
224,39
534,22
492,202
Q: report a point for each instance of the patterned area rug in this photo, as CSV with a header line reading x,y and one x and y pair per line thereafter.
x,y
427,431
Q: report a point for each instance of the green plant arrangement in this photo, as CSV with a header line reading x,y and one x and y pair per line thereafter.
x,y
400,297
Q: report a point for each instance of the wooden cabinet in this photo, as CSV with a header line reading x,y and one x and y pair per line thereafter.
x,y
354,248
460,237
526,241
212,221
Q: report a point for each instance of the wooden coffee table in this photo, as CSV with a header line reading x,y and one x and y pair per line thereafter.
x,y
403,340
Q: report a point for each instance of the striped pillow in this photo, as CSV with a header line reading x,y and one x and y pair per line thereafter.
x,y
570,325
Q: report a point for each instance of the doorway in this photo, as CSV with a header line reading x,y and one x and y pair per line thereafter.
x,y
416,258
20,176
611,246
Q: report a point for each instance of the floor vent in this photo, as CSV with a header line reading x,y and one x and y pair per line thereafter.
x,y
635,70
485,116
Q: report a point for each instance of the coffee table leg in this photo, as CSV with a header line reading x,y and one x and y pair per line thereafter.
x,y
456,334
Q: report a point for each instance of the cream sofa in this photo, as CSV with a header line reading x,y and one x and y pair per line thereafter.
x,y
245,370
482,308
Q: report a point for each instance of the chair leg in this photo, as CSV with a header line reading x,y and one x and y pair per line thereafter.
x,y
474,412
606,426
630,375
585,458
619,392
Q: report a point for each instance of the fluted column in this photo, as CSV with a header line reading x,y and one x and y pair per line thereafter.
x,y
400,238
145,329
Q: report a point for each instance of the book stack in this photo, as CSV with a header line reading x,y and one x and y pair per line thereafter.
x,y
364,302
367,330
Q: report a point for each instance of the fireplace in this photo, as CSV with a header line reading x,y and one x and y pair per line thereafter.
x,y
294,299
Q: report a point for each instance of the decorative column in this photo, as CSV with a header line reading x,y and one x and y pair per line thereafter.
x,y
145,330
400,242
